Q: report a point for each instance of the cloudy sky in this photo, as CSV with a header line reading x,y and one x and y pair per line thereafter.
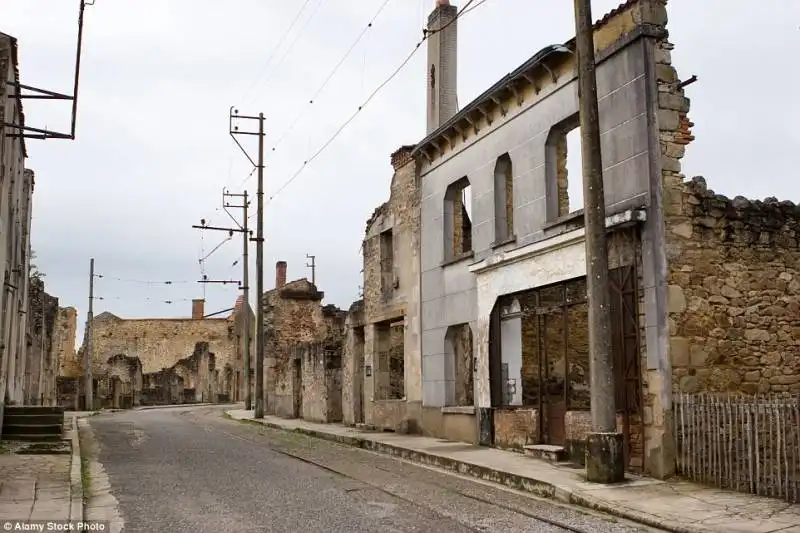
x,y
158,78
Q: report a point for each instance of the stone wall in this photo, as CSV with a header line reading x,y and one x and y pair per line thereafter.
x,y
41,367
64,339
292,316
322,381
734,293
159,342
389,379
155,361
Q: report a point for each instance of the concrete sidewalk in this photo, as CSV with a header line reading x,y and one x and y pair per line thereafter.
x,y
675,506
41,487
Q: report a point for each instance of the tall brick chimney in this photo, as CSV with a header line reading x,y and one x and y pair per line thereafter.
x,y
198,309
442,71
280,274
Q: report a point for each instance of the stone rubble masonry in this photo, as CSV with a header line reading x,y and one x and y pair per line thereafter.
x,y
65,337
734,293
158,342
133,356
321,365
42,362
293,316
401,215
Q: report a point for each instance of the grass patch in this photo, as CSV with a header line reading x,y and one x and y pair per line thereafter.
x,y
86,479
4,448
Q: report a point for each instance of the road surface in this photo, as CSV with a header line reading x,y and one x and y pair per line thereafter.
x,y
192,470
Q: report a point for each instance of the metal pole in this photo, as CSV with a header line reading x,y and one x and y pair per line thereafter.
x,y
313,267
259,411
246,308
604,450
89,341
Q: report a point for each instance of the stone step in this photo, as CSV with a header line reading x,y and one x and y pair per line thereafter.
x,y
33,419
32,429
546,452
32,410
33,438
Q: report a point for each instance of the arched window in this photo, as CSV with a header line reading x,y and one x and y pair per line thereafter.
x,y
503,199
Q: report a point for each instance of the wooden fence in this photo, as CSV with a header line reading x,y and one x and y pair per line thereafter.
x,y
743,443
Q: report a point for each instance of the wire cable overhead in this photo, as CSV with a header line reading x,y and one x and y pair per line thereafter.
x,y
369,98
330,76
140,281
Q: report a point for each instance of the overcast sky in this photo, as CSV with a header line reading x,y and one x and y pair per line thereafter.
x,y
153,151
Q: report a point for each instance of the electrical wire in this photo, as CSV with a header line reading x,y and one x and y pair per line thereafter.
x,y
275,50
333,72
142,282
155,300
291,46
217,247
380,87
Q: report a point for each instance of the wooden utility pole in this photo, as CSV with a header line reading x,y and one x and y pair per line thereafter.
x,y
259,165
89,383
259,411
313,267
604,450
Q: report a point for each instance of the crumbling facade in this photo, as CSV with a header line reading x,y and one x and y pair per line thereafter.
x,y
382,365
159,360
300,339
242,317
42,354
321,370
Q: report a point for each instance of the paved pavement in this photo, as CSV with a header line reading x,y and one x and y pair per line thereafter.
x,y
674,506
34,487
190,469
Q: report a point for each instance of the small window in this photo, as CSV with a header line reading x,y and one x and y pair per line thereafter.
x,y
387,263
458,219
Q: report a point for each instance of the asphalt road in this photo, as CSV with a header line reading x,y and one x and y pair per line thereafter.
x,y
192,470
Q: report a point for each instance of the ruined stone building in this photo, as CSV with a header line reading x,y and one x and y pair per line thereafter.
x,y
475,271
151,361
28,363
382,364
243,317
303,343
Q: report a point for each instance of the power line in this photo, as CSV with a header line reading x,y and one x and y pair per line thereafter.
x,y
331,74
380,87
291,46
154,300
142,282
275,50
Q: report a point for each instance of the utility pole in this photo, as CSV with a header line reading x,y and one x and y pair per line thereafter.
x,y
245,289
234,131
89,392
313,267
604,447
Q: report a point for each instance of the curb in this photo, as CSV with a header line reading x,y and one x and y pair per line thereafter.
x,y
75,476
174,406
533,486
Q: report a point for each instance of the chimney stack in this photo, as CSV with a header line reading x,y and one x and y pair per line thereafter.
x,y
280,274
198,309
442,71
